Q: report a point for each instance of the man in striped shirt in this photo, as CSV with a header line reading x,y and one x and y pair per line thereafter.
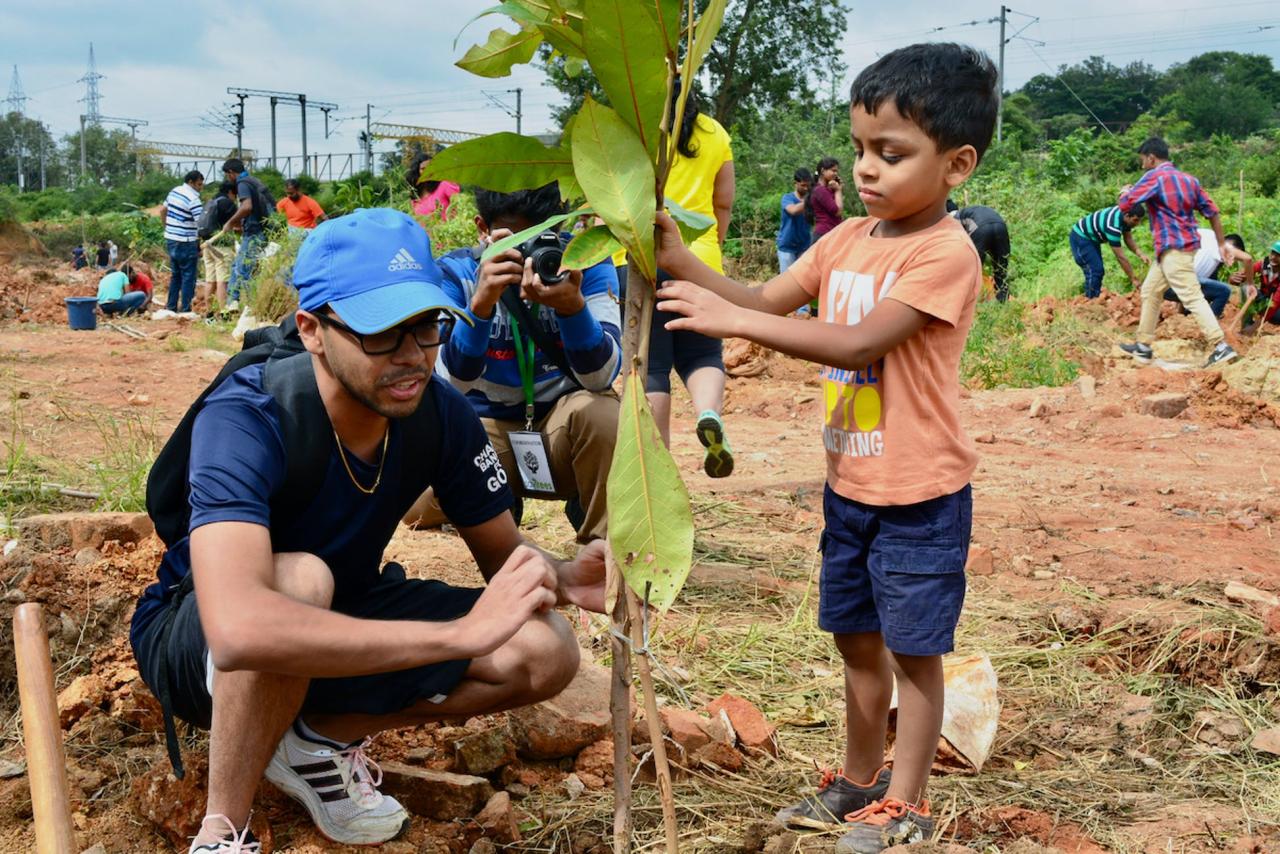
x,y
1111,226
182,210
1173,198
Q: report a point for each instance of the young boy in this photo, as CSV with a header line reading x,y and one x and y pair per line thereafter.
x,y
896,291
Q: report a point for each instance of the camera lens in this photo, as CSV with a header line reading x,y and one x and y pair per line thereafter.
x,y
546,263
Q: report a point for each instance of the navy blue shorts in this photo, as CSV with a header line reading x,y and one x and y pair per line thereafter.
x,y
898,571
393,597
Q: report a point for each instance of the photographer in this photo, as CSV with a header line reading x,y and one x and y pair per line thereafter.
x,y
539,362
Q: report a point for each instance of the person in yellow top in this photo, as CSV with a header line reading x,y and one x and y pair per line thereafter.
x,y
701,180
299,209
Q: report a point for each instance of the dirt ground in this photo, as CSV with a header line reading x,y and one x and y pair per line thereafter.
x,y
1103,538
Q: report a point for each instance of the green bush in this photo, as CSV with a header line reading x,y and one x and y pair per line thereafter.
x,y
457,231
999,354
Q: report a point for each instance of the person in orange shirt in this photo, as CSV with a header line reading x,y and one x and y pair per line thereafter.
x,y
299,209
896,293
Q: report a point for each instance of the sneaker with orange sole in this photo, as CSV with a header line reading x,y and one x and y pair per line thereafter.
x,y
885,824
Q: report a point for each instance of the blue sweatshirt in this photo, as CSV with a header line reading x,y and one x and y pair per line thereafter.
x,y
480,360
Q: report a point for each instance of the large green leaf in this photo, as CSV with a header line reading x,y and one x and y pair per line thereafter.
x,y
691,223
505,162
513,10
496,56
704,34
555,223
650,521
621,38
666,13
614,171
570,191
590,247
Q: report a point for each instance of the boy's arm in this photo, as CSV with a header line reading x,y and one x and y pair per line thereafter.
x,y
780,295
850,347
795,207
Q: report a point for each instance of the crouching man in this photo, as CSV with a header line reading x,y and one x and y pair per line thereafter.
x,y
274,623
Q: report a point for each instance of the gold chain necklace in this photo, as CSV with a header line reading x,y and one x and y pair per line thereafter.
x,y
381,462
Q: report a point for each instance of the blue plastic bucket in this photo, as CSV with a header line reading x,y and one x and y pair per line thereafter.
x,y
82,312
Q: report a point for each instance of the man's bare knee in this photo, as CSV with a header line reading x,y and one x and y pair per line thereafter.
x,y
552,654
305,577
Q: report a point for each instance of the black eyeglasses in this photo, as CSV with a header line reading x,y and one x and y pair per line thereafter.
x,y
427,333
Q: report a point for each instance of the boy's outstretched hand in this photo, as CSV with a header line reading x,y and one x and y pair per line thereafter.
x,y
702,311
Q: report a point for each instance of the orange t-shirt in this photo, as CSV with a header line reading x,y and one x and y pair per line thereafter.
x,y
892,431
301,214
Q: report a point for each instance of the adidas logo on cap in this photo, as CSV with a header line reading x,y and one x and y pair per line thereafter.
x,y
403,261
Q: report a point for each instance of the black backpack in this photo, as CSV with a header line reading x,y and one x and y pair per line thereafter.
x,y
262,196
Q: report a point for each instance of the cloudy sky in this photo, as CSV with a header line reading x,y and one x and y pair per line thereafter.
x,y
174,69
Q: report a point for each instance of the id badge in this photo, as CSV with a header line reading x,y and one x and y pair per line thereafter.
x,y
530,450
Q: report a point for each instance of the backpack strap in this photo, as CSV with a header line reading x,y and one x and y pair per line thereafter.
x,y
305,426
554,351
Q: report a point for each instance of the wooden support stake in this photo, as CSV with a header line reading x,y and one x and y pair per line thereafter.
x,y
661,768
42,733
620,707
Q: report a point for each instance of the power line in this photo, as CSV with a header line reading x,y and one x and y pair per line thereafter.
x,y
1067,86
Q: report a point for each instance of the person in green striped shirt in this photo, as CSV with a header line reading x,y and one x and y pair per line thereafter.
x,y
1110,226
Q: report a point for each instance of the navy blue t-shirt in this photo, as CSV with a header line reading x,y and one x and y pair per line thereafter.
x,y
238,461
793,235
247,188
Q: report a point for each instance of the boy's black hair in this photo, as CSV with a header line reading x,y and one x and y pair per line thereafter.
x,y
803,174
534,205
1235,240
1139,210
949,90
292,182
193,175
1155,145
233,164
226,187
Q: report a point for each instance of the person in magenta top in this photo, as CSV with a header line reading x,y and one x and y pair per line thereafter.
x,y
437,194
430,195
826,202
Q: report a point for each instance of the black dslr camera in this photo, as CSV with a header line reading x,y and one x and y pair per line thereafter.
x,y
547,251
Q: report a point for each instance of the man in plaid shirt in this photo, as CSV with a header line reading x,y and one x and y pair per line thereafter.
x,y
1172,199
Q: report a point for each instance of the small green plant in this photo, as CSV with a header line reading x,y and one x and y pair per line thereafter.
x,y
129,447
998,353
270,293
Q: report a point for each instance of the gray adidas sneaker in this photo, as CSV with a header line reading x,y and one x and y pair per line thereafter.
x,y
338,786
836,797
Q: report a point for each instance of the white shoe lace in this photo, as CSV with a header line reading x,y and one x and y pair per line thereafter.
x,y
363,770
236,844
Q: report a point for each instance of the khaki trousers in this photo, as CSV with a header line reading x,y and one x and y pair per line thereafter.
x,y
1176,269
580,432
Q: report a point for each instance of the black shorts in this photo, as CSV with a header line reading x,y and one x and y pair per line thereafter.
x,y
394,597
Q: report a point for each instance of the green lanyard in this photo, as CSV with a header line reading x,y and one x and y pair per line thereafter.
x,y
524,361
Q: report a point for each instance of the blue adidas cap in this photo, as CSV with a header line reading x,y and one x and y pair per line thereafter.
x,y
374,266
